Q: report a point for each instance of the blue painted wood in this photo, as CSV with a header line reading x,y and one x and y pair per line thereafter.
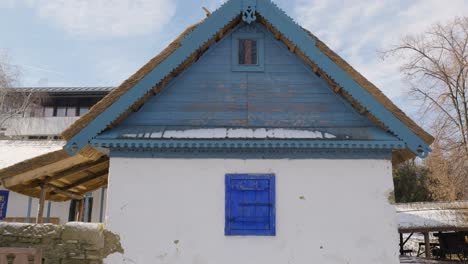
x,y
287,27
3,203
250,204
285,94
178,153
211,25
232,144
303,41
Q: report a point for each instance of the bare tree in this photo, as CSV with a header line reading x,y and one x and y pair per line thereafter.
x,y
435,64
14,102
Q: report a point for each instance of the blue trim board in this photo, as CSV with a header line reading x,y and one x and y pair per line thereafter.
x,y
251,149
375,154
245,144
219,19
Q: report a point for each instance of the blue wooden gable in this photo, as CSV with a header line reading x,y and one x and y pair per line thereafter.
x,y
210,94
283,78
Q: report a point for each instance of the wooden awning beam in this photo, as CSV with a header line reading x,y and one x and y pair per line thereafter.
x,y
70,171
58,190
84,180
29,176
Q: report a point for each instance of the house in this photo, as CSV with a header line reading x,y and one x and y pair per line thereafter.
x,y
37,132
247,140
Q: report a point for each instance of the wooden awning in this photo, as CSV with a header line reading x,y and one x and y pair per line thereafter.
x,y
432,217
64,177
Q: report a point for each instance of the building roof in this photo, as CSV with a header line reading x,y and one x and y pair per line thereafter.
x,y
59,89
186,49
432,217
66,177
191,44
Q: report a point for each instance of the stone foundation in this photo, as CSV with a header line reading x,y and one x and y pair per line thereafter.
x,y
72,243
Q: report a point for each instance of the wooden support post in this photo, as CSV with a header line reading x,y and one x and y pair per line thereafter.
x,y
28,213
40,210
49,205
401,244
79,211
427,245
101,209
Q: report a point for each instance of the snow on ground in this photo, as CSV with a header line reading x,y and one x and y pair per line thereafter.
x,y
14,151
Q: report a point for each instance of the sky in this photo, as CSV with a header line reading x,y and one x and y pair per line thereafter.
x,y
103,42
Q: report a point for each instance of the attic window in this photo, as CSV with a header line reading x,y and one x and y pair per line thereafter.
x,y
247,52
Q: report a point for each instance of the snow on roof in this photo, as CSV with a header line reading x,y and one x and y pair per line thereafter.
x,y
221,133
444,216
14,151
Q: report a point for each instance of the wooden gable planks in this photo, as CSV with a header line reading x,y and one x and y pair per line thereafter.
x,y
297,36
285,94
296,40
189,44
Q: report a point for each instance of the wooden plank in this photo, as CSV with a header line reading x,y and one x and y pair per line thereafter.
x,y
84,180
80,211
210,94
427,245
69,172
40,209
58,190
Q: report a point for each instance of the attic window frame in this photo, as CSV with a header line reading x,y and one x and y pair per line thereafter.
x,y
259,38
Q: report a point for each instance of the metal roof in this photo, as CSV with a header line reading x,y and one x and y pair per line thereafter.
x,y
68,89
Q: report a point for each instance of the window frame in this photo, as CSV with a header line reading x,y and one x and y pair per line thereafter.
x,y
260,66
228,231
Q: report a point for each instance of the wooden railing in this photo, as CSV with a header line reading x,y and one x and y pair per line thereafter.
x,y
21,255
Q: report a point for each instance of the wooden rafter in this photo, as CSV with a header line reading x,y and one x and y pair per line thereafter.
x,y
69,171
26,177
58,190
90,177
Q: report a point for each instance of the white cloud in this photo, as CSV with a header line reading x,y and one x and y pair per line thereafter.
x,y
120,18
357,30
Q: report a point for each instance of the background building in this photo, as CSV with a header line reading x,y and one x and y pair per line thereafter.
x,y
37,132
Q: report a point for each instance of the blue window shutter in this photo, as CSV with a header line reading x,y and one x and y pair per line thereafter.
x,y
250,204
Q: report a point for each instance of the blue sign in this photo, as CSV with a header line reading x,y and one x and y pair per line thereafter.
x,y
3,203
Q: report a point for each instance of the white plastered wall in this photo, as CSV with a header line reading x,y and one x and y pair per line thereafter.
x,y
327,211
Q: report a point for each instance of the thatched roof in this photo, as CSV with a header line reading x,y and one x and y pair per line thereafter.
x,y
59,162
432,217
65,176
153,63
